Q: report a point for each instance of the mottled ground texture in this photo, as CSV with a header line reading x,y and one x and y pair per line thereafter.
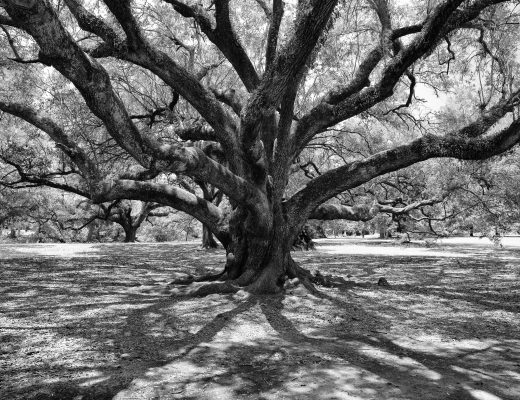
x,y
97,321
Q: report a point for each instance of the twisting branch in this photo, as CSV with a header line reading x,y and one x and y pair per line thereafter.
x,y
451,57
354,174
411,94
274,29
307,173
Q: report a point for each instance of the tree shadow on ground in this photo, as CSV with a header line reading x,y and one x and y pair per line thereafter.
x,y
63,330
432,375
335,362
96,326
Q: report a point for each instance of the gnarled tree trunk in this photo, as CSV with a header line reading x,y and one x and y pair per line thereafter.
x,y
259,260
130,233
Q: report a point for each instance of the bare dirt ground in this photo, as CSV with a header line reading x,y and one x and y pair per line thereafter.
x,y
97,321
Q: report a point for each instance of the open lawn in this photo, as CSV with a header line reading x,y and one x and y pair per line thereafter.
x,y
96,321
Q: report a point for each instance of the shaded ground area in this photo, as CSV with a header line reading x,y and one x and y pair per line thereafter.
x,y
96,321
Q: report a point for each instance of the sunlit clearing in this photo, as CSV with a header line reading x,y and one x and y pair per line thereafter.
x,y
481,394
388,251
59,250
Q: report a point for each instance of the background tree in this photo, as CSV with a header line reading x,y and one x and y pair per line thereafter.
x,y
311,70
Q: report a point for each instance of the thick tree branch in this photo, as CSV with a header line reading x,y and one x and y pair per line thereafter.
x,y
196,132
407,208
280,83
178,78
274,30
491,116
328,212
229,97
123,12
365,213
89,77
194,162
177,198
289,63
354,174
142,175
90,23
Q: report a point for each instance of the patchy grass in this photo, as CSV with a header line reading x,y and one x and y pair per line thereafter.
x,y
96,321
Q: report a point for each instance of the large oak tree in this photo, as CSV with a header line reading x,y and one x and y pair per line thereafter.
x,y
251,130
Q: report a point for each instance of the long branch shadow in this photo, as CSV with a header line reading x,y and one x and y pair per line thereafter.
x,y
143,331
141,351
50,303
445,385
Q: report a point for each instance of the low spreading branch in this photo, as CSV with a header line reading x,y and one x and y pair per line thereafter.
x,y
171,196
338,180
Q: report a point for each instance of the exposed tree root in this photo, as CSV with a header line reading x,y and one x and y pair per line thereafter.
x,y
332,281
213,288
305,277
247,282
192,279
309,281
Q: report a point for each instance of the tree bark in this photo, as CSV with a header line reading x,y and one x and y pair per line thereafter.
x,y
208,240
93,231
130,234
